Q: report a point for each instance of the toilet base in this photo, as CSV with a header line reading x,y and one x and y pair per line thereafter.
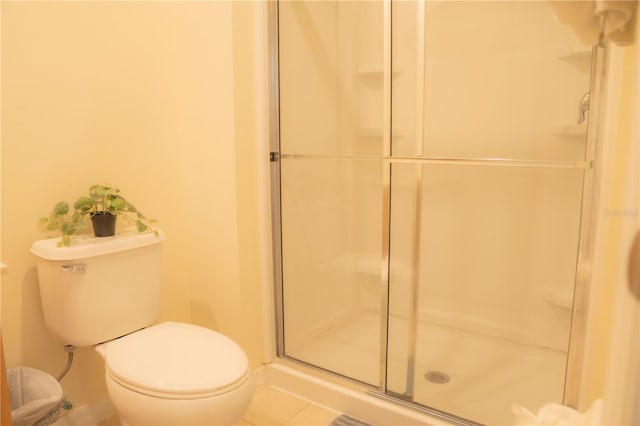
x,y
137,409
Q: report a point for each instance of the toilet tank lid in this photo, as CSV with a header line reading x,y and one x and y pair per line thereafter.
x,y
83,247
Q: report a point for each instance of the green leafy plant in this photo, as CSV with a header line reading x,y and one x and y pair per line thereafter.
x,y
67,222
102,200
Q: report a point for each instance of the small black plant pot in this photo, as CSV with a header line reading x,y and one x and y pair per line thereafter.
x,y
104,224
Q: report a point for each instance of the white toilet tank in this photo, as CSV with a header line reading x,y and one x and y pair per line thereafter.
x,y
100,288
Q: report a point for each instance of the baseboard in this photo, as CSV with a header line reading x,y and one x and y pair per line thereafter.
x,y
259,377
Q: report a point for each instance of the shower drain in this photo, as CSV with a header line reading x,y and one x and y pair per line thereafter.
x,y
436,377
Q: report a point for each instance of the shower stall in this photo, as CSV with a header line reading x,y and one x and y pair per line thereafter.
x,y
432,166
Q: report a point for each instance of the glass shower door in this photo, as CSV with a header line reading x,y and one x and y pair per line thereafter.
x,y
331,73
487,169
432,169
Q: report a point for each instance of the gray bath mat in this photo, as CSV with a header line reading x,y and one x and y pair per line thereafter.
x,y
344,420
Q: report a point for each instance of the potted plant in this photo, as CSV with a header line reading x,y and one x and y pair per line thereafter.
x,y
103,205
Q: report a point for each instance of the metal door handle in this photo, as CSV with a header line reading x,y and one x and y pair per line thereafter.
x,y
75,267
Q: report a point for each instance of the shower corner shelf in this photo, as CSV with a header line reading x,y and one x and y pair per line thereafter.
x,y
373,70
557,297
571,130
579,58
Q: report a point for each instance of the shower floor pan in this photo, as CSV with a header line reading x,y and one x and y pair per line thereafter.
x,y
486,375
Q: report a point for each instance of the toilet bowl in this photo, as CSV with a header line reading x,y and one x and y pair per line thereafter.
x,y
106,293
175,374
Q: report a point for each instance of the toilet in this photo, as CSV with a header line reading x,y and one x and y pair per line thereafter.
x,y
106,292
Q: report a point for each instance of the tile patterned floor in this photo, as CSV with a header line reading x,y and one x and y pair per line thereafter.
x,y
272,407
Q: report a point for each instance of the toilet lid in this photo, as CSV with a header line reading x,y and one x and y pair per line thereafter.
x,y
177,358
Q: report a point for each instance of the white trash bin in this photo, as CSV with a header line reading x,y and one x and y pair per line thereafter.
x,y
36,397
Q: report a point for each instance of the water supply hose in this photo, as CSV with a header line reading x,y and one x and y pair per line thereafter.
x,y
69,350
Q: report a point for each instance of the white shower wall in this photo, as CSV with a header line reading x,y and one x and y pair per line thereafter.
x,y
499,245
330,203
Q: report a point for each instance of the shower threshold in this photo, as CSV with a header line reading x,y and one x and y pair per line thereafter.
x,y
354,399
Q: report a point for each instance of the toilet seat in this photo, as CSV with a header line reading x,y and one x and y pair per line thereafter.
x,y
177,361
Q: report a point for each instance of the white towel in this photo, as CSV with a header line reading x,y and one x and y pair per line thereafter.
x,y
552,414
614,19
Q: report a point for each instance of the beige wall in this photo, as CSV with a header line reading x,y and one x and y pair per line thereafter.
x,y
157,99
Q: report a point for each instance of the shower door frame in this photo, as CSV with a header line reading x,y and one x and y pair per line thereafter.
x,y
573,370
274,159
